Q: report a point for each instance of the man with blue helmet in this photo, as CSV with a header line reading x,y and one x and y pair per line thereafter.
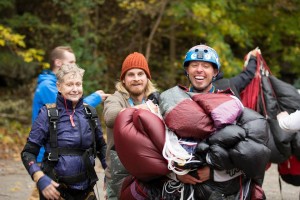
x,y
202,67
220,177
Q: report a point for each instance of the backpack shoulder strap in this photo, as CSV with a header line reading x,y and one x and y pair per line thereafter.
x,y
90,111
53,118
92,116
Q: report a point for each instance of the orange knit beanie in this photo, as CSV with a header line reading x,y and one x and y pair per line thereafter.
x,y
135,60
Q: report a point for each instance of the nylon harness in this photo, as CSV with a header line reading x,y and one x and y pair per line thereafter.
x,y
56,151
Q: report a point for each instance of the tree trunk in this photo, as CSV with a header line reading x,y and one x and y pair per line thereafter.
x,y
172,53
151,36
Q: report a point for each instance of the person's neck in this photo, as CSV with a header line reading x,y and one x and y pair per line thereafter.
x,y
55,69
74,104
137,99
209,89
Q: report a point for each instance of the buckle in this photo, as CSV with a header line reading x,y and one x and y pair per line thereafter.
x,y
51,159
49,115
87,110
91,114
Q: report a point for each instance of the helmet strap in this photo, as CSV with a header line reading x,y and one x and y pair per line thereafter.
x,y
214,78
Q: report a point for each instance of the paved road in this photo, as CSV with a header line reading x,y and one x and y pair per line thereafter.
x,y
272,190
15,184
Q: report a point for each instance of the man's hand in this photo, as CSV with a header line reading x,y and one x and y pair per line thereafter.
x,y
282,115
102,94
189,179
149,105
255,51
203,174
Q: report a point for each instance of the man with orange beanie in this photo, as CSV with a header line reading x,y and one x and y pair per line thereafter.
x,y
133,90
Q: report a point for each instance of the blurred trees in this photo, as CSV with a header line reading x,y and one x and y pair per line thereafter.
x,y
103,33
14,56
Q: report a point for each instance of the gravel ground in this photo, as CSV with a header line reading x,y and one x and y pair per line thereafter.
x,y
15,183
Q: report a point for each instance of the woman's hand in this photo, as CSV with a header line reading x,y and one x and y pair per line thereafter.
x,y
48,188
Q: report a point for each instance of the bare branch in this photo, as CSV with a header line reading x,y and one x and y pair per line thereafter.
x,y
161,12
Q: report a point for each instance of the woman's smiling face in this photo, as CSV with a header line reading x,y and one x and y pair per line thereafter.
x,y
71,87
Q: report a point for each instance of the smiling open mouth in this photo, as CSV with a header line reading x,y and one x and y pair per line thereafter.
x,y
199,77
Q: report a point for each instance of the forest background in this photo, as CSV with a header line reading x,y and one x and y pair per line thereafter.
x,y
103,32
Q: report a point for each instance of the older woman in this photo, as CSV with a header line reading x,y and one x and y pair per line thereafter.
x,y
72,136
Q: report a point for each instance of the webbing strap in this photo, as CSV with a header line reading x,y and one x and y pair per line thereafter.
x,y
90,170
72,179
72,152
92,115
53,118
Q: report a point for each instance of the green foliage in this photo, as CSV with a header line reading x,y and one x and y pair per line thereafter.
x,y
10,105
15,121
4,4
94,75
17,44
15,57
103,33
14,72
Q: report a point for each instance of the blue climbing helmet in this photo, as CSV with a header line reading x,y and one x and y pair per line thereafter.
x,y
202,53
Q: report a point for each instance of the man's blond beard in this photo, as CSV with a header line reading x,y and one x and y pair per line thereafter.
x,y
136,94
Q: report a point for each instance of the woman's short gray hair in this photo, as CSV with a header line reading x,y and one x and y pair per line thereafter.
x,y
66,69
